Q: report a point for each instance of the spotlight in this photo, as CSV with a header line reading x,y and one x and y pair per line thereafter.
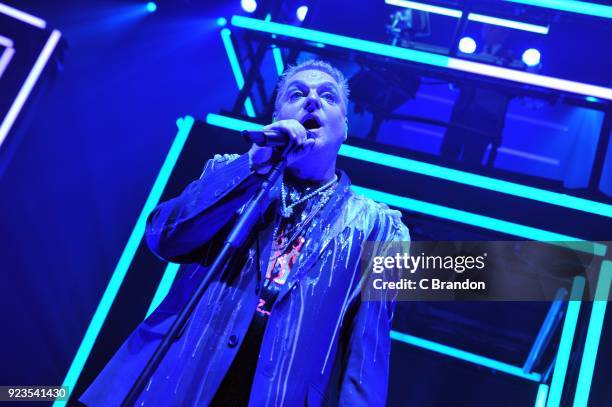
x,y
221,21
301,12
151,7
531,57
248,5
467,45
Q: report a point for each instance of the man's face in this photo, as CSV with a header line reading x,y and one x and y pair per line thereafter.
x,y
314,98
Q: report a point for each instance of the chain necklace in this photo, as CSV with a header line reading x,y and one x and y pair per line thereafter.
x,y
287,210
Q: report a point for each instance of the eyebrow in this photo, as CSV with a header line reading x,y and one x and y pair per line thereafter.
x,y
324,84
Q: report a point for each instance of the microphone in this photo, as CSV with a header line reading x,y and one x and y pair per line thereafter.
x,y
268,138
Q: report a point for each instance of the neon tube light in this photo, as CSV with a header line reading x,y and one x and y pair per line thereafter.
x,y
421,57
22,16
542,394
235,65
28,85
463,355
449,12
565,343
571,6
449,174
591,345
5,59
93,330
6,42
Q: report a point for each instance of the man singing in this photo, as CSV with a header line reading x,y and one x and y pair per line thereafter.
x,y
285,324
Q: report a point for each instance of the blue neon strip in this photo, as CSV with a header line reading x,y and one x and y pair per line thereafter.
x,y
163,287
278,60
421,57
428,8
93,330
235,65
591,345
572,6
565,343
542,394
449,12
448,174
502,22
463,355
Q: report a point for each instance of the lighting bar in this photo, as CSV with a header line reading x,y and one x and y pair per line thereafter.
x,y
448,174
591,345
565,343
93,330
276,54
426,7
517,25
164,286
481,18
571,6
22,16
464,355
421,57
542,394
6,42
5,59
28,85
235,65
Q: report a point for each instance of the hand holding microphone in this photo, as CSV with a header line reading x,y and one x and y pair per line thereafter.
x,y
290,133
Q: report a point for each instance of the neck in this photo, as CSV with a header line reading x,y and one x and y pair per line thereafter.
x,y
308,175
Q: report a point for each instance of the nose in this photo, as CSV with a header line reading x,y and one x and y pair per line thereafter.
x,y
312,102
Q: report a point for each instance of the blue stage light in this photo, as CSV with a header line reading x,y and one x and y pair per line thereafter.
x,y
467,45
591,99
531,57
248,5
301,12
221,21
151,7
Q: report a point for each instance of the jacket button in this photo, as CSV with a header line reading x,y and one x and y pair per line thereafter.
x,y
232,341
217,193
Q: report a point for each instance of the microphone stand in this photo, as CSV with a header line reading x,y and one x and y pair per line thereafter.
x,y
245,223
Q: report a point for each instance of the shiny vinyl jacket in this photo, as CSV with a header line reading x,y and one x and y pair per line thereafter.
x,y
323,344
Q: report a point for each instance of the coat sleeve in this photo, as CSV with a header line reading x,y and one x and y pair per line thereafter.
x,y
366,372
178,230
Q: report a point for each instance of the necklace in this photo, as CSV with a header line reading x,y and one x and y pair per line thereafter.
x,y
287,210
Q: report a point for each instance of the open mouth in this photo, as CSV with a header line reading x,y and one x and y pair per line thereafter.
x,y
311,123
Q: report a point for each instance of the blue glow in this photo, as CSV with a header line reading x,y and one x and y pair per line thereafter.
x,y
28,84
467,45
572,6
151,7
542,394
463,355
278,60
163,287
235,65
221,21
591,344
531,57
301,12
449,12
448,174
565,343
421,57
248,5
502,22
591,99
93,330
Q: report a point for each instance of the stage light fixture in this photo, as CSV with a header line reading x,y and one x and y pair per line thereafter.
x,y
531,57
248,5
151,7
221,21
301,12
467,45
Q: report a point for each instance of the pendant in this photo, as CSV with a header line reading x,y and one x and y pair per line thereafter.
x,y
287,212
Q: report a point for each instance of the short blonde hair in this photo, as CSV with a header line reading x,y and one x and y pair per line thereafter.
x,y
313,64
